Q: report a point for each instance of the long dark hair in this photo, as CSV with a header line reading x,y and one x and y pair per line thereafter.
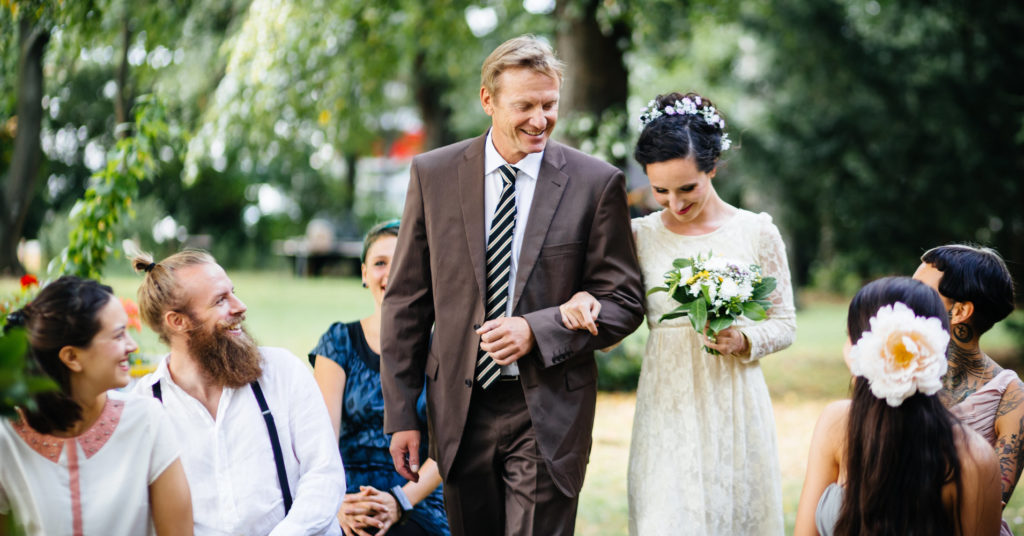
x,y
898,459
64,313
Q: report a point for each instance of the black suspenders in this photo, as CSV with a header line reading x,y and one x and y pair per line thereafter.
x,y
275,442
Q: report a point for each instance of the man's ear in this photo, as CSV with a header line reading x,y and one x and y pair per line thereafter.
x,y
486,101
69,356
961,312
177,322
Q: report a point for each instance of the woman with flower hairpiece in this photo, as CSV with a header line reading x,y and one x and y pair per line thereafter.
x,y
893,459
703,458
346,365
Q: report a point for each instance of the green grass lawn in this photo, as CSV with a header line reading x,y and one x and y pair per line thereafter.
x,y
292,313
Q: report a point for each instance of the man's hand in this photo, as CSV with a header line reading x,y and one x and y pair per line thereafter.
x,y
507,339
405,454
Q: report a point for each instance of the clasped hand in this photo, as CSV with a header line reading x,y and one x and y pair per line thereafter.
x,y
506,338
368,508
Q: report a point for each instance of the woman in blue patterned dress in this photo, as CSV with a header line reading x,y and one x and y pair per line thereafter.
x,y
346,365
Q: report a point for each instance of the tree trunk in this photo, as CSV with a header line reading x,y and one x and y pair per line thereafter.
x,y
435,112
351,173
595,79
23,173
122,100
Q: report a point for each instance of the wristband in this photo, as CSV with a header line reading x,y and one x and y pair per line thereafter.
x,y
404,506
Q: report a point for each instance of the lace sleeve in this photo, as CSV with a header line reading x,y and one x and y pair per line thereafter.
x,y
778,331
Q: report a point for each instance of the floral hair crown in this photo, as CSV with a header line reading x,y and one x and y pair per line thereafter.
x,y
901,355
686,106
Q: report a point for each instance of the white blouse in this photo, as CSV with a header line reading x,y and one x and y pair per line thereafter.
x,y
95,483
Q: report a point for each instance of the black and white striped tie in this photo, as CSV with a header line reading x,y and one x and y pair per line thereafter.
x,y
499,267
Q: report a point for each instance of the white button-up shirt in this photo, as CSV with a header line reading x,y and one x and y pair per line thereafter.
x,y
526,183
229,461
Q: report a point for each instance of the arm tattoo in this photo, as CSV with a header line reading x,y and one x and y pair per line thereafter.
x,y
1009,450
1012,399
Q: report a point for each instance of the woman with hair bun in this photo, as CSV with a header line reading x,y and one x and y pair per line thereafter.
x,y
893,460
88,459
703,458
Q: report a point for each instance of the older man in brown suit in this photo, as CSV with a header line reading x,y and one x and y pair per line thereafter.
x,y
497,232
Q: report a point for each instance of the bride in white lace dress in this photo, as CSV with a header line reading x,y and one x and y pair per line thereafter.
x,y
703,458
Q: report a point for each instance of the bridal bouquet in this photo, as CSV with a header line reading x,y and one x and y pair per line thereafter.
x,y
714,292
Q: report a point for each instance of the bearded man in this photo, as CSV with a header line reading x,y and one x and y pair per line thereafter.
x,y
255,436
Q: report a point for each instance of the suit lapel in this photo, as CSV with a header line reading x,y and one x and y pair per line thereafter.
x,y
550,186
471,198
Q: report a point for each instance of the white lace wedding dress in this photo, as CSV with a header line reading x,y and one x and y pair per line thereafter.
x,y
703,458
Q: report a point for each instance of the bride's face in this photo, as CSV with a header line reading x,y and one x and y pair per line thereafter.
x,y
681,188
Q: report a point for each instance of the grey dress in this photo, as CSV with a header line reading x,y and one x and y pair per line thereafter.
x,y
827,512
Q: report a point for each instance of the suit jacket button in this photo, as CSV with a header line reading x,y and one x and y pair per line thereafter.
x,y
469,383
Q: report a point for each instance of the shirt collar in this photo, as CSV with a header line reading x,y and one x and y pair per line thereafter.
x,y
530,164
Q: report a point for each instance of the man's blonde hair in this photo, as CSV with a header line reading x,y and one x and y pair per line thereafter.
x,y
160,290
525,51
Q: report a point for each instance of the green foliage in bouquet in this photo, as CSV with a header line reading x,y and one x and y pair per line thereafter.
x,y
714,292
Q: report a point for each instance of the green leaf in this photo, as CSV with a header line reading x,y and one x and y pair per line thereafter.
x,y
13,347
655,290
673,314
762,290
720,323
754,311
682,263
40,384
682,295
698,314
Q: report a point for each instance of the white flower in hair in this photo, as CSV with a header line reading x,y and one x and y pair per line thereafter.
x,y
902,354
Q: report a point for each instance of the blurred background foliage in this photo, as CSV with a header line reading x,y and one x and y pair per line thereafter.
x,y
870,129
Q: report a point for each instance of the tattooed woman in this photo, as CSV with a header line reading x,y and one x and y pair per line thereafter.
x,y
977,290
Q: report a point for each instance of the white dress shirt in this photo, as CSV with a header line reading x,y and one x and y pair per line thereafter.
x,y
526,183
229,461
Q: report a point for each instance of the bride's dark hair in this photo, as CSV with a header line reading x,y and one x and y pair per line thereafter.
x,y
898,459
668,137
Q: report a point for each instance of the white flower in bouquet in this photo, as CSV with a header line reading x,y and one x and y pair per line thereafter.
x,y
730,289
686,273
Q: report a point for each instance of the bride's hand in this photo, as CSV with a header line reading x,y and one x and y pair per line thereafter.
x,y
730,341
580,312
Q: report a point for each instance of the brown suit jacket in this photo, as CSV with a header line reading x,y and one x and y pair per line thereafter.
x,y
577,237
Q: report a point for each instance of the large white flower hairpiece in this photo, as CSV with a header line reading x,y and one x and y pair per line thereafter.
x,y
686,106
901,354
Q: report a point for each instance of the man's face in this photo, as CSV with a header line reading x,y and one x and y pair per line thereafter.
x,y
216,339
212,300
523,110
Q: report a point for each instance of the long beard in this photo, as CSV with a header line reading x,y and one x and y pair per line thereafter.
x,y
226,360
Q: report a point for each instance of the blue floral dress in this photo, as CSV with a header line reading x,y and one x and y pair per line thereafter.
x,y
363,443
